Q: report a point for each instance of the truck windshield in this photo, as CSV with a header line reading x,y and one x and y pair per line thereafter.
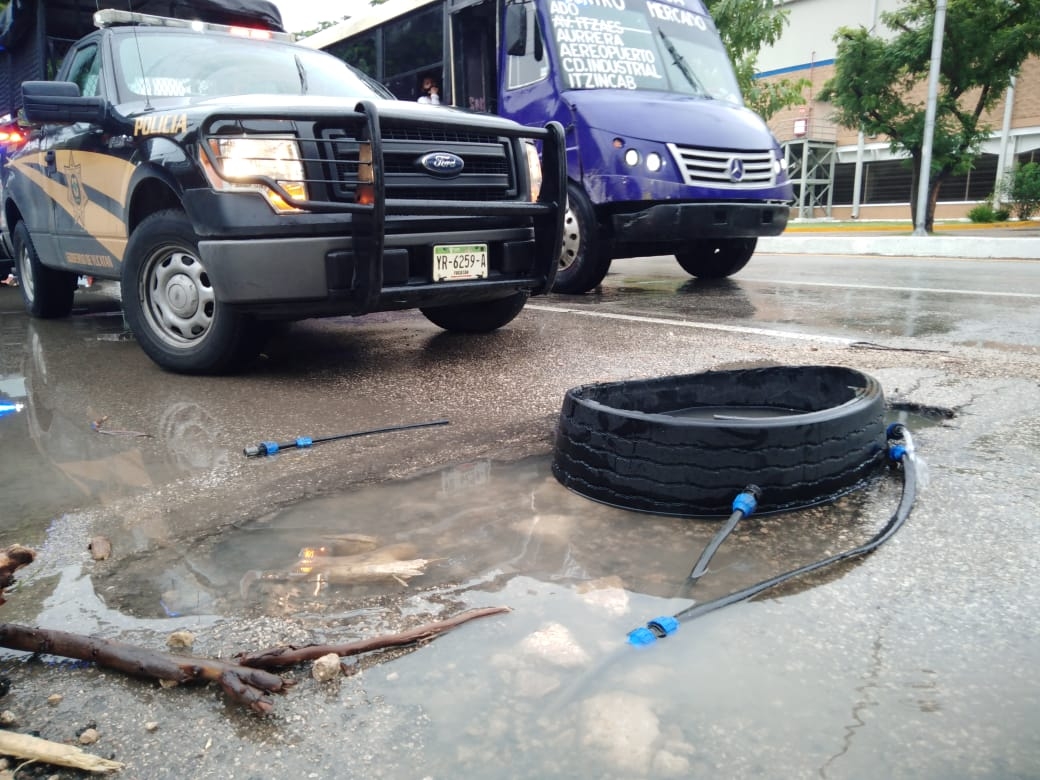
x,y
640,45
174,64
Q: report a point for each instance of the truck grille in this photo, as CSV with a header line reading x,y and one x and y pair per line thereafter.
x,y
724,169
488,172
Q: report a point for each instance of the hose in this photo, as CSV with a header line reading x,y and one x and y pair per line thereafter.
x,y
264,448
743,506
899,453
658,628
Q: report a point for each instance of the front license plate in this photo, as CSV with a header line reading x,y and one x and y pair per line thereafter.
x,y
452,262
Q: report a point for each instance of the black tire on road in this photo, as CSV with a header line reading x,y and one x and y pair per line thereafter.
x,y
716,258
46,292
584,260
687,445
171,306
479,317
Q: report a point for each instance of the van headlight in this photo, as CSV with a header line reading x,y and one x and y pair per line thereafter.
x,y
534,170
240,160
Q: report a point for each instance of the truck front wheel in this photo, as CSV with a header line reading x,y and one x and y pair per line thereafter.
x,y
481,317
716,258
46,292
584,259
171,306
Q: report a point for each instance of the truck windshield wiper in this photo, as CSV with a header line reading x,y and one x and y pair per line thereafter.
x,y
681,64
302,72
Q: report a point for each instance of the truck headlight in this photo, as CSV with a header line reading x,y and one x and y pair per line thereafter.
x,y
242,158
534,170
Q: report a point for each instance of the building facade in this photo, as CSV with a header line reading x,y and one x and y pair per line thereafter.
x,y
841,174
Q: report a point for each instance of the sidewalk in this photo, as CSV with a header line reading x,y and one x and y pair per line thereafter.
x,y
1004,240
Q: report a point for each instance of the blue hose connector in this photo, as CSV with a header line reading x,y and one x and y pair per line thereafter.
x,y
747,500
658,628
269,447
897,452
642,636
304,441
663,626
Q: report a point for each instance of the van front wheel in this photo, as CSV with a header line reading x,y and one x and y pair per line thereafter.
x,y
716,258
584,259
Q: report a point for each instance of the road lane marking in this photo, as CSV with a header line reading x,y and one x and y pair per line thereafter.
x,y
691,324
886,288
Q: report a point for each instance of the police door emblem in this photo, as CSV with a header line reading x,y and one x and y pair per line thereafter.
x,y
77,194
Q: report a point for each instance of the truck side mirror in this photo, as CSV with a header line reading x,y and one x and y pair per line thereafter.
x,y
60,102
516,30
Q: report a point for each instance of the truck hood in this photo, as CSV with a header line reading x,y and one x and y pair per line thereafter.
x,y
661,116
303,106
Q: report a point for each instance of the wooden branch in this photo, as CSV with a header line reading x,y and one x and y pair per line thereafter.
x,y
289,655
56,753
246,682
249,686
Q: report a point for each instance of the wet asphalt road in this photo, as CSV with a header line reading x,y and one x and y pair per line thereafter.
x,y
916,663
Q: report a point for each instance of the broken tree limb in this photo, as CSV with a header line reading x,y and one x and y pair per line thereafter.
x,y
245,685
56,753
247,681
289,655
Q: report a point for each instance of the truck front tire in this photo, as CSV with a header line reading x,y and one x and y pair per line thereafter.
x,y
171,306
480,317
46,292
716,258
584,260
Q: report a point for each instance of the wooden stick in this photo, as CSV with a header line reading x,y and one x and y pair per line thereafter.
x,y
249,686
57,753
289,655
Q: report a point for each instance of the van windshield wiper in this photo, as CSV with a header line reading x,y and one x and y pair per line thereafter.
x,y
682,65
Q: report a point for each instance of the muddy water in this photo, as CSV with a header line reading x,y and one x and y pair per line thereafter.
x,y
549,689
484,521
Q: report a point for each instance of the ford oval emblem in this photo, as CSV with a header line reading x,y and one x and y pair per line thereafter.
x,y
442,163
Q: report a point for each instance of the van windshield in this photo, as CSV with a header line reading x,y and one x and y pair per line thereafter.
x,y
640,45
188,64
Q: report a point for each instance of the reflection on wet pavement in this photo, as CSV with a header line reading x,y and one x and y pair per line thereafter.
x,y
887,313
83,434
483,521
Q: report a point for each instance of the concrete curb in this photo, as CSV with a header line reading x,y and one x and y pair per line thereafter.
x,y
973,247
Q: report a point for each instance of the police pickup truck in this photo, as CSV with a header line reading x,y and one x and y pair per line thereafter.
x,y
228,179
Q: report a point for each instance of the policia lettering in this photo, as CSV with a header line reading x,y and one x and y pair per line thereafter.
x,y
161,124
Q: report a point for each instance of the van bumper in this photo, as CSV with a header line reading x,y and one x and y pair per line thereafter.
x,y
678,222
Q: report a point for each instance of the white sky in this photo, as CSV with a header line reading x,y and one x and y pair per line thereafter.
x,y
300,15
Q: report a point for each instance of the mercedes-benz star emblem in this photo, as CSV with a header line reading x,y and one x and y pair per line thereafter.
x,y
735,168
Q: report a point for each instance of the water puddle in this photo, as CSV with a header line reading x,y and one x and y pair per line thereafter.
x,y
549,689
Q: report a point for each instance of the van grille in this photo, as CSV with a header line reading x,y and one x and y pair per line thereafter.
x,y
724,169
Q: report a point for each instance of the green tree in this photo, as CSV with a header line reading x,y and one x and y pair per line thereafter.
x,y
746,26
984,45
1024,190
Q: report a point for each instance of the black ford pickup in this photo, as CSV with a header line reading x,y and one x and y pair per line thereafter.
x,y
228,178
